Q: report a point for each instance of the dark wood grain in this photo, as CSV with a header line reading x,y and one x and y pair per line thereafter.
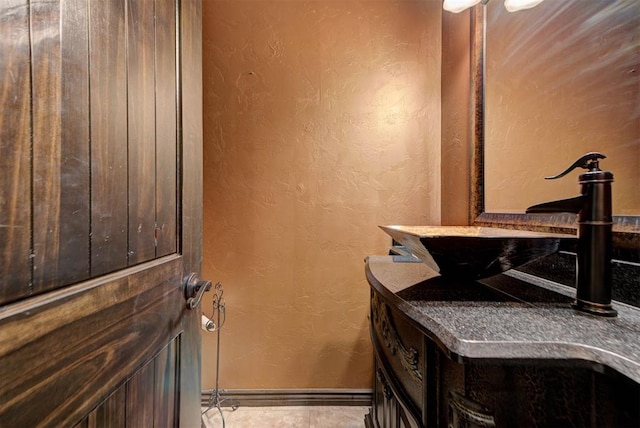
x,y
191,196
75,203
191,131
147,399
115,324
108,136
111,413
60,95
116,349
140,397
141,123
166,386
166,127
15,164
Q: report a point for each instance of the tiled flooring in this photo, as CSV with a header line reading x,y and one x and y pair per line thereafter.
x,y
287,417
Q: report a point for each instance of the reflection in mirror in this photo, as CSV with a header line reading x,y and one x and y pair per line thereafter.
x,y
561,79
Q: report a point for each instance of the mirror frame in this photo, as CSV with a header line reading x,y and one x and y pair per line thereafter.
x,y
626,229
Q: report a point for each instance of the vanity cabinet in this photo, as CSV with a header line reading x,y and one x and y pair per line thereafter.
x,y
399,368
390,410
422,381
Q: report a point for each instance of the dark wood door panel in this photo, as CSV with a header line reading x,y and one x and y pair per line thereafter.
x,y
15,147
166,387
69,352
148,398
151,393
141,126
108,104
190,132
59,57
89,149
111,413
100,212
166,128
139,397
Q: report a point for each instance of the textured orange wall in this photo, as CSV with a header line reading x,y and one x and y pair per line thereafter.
x,y
456,114
322,121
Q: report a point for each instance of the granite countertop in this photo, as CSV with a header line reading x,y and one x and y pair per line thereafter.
x,y
512,316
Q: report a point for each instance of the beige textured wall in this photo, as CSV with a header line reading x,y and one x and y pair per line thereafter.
x,y
456,114
322,121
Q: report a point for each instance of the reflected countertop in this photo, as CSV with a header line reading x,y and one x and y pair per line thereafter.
x,y
512,316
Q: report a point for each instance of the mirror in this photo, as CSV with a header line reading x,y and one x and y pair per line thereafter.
x,y
561,79
552,83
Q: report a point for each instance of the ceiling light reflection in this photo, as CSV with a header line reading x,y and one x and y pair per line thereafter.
x,y
516,5
456,6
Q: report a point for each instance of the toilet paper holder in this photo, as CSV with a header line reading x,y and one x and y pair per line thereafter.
x,y
218,310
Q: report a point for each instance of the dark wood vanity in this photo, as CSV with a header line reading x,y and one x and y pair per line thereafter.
x,y
500,352
508,351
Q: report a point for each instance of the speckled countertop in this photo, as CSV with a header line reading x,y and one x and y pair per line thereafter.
x,y
510,316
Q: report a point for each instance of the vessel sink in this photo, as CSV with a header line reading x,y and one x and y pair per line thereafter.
x,y
472,251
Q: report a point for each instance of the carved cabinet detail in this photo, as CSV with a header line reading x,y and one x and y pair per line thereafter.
x,y
418,383
388,333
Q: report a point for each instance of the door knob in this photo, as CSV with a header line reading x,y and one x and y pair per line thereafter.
x,y
194,288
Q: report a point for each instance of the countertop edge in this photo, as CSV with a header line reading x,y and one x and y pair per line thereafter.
x,y
460,349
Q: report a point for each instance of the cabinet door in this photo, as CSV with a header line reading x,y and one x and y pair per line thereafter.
x,y
388,410
405,420
384,401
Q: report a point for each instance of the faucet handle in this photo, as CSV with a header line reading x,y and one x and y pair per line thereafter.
x,y
588,161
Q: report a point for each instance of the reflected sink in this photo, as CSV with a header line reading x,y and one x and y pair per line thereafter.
x,y
474,252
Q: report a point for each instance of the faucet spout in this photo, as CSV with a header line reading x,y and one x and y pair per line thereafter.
x,y
595,235
569,205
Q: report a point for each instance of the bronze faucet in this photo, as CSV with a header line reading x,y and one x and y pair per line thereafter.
x,y
593,206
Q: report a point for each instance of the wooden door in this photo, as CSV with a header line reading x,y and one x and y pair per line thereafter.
x,y
100,212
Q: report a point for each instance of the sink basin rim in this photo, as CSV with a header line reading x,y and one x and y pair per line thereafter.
x,y
475,252
481,232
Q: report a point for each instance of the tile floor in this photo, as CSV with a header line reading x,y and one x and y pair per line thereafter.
x,y
287,417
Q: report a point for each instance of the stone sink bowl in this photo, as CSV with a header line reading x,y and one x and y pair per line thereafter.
x,y
474,252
